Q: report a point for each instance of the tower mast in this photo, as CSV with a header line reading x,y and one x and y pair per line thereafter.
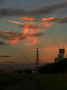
x,y
37,59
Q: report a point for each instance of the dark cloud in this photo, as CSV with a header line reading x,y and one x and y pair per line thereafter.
x,y
5,56
9,35
44,10
63,20
2,43
37,35
49,9
12,12
60,20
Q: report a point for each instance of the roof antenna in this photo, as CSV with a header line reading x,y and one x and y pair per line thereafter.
x,y
63,46
59,43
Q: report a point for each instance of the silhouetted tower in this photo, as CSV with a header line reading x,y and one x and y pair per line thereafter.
x,y
60,55
37,59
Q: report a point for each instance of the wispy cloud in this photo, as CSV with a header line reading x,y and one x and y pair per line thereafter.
x,y
2,43
63,20
4,56
37,34
30,30
55,19
9,35
23,25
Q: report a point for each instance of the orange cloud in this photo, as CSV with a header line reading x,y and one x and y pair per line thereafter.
x,y
30,28
14,22
27,19
26,29
32,43
5,31
47,22
29,25
48,19
15,41
25,33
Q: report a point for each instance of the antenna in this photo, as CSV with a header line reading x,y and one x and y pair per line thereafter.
x,y
63,46
59,43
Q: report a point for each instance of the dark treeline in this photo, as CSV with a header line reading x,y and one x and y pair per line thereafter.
x,y
59,67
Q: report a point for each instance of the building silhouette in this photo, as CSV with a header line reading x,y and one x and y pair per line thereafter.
x,y
60,55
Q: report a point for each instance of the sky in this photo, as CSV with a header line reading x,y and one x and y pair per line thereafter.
x,y
26,25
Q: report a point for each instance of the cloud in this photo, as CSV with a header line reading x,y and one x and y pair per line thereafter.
x,y
5,56
30,30
27,18
23,25
44,10
12,12
37,35
47,22
14,37
63,20
50,19
49,9
33,26
9,35
55,19
2,43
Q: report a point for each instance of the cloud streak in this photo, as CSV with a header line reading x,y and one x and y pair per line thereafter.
x,y
12,12
29,25
9,35
44,10
3,56
49,9
37,34
61,20
2,43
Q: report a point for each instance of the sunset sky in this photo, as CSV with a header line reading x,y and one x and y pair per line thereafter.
x,y
29,24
